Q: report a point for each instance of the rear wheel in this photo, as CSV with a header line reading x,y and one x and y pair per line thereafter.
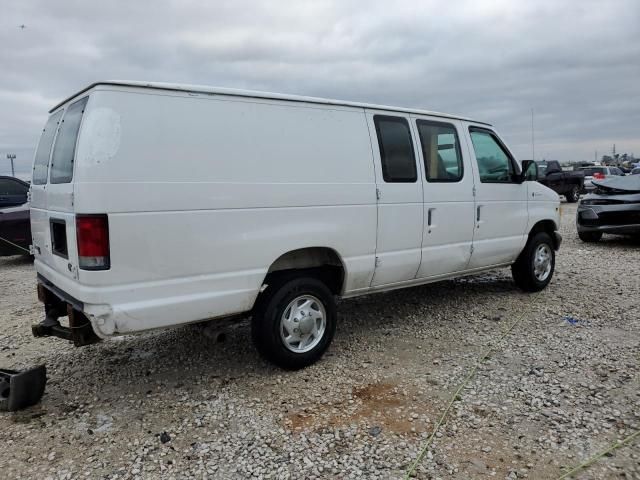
x,y
534,268
574,195
590,237
294,321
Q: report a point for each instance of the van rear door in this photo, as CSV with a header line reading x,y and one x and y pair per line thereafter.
x,y
52,209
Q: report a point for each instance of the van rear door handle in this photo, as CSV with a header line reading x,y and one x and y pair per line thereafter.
x,y
429,216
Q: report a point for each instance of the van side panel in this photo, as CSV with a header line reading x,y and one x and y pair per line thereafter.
x,y
204,192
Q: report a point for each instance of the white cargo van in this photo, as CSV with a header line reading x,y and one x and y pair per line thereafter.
x,y
155,205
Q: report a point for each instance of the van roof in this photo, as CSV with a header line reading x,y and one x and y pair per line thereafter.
x,y
256,94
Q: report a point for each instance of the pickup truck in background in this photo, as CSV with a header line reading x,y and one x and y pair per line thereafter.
x,y
569,184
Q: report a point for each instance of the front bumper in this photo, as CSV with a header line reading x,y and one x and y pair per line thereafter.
x,y
616,218
558,240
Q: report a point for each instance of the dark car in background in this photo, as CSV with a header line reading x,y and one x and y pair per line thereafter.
x,y
613,207
15,230
569,184
15,227
13,191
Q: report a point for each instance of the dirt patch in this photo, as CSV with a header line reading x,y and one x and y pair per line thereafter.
x,y
383,405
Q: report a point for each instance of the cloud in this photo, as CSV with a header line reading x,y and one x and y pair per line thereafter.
x,y
574,62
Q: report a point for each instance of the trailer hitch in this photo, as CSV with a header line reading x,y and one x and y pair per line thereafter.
x,y
79,331
21,388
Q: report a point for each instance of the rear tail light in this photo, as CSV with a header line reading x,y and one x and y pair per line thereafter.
x,y
92,232
598,176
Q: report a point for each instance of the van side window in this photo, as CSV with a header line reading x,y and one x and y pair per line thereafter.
x,y
494,163
396,149
41,162
65,147
441,151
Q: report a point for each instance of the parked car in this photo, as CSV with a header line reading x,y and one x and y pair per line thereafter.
x,y
156,205
614,207
15,230
13,191
635,171
598,173
568,183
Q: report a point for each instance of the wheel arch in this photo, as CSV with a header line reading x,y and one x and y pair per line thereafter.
x,y
546,226
322,262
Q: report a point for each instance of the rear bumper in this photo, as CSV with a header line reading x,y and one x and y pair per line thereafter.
x,y
59,304
61,294
135,307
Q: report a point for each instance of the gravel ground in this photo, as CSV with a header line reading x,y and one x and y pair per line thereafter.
x,y
178,404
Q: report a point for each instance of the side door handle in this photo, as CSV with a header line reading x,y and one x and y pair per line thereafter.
x,y
430,216
478,210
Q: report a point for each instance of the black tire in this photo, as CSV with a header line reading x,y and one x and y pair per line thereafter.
x,y
269,309
523,270
574,195
590,237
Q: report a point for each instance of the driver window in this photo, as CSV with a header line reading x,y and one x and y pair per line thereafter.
x,y
494,165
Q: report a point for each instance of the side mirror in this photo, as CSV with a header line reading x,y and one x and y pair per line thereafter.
x,y
529,171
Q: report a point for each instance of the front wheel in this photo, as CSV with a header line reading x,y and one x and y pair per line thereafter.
x,y
574,195
294,321
534,268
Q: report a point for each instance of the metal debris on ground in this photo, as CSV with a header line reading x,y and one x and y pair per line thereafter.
x,y
21,388
575,321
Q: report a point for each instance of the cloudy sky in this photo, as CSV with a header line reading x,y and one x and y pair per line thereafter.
x,y
575,62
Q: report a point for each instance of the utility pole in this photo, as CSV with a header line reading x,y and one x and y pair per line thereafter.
x,y
533,140
11,157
